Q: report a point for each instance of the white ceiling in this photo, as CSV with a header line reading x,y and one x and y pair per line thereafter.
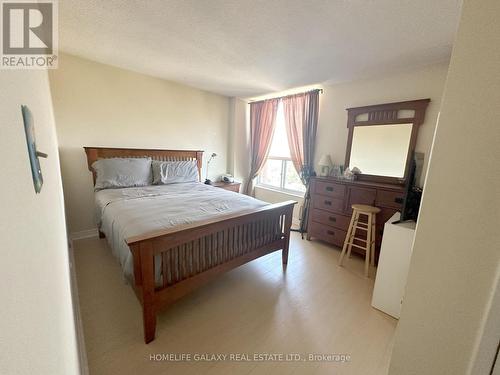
x,y
252,47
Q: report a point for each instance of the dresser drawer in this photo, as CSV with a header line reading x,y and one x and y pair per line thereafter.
x,y
331,219
359,195
331,189
328,234
328,203
387,198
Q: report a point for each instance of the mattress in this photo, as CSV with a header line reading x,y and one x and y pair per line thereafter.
x,y
126,212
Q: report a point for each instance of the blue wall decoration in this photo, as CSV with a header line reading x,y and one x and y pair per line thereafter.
x,y
33,154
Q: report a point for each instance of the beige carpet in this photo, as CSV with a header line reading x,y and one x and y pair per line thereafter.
x,y
315,307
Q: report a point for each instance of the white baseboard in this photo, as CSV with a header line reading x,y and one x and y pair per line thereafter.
x,y
89,233
82,352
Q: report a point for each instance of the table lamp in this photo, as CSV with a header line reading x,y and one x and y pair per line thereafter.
x,y
325,163
207,181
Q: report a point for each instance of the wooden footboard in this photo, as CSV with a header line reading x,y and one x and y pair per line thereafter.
x,y
191,255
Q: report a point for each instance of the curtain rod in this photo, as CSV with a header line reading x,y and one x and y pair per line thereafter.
x,y
286,96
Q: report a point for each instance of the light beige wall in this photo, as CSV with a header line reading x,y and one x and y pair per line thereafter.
x,y
239,135
427,82
100,105
456,253
37,333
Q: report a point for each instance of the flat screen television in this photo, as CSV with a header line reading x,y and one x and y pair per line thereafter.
x,y
413,193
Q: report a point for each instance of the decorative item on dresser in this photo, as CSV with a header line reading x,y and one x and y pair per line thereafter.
x,y
232,186
331,201
382,139
325,163
380,148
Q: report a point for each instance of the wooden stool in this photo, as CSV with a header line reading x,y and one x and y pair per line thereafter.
x,y
369,227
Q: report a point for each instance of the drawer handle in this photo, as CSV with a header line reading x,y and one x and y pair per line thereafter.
x,y
331,218
330,232
399,200
329,188
328,203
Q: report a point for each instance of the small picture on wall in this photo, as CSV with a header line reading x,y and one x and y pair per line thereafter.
x,y
33,154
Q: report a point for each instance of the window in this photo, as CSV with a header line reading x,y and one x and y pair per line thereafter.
x,y
278,171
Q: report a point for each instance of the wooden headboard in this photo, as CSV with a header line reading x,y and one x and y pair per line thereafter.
x,y
96,153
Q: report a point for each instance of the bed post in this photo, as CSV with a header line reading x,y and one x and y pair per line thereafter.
x,y
286,232
199,158
148,290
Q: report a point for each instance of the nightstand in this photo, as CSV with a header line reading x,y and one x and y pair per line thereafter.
x,y
231,186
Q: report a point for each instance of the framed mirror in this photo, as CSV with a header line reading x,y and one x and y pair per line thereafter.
x,y
382,139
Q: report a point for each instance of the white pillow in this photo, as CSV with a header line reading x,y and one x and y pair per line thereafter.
x,y
173,172
122,172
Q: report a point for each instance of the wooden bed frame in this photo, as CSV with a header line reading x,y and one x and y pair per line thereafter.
x,y
191,255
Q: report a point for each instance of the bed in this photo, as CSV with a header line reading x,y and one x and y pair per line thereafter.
x,y
171,239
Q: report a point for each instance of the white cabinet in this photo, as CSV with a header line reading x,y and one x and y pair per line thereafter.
x,y
393,265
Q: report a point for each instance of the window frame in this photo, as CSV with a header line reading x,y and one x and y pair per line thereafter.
x,y
284,160
280,188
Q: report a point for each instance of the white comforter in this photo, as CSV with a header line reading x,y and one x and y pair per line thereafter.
x,y
127,212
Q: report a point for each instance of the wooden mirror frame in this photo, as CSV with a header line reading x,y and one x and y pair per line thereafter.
x,y
387,114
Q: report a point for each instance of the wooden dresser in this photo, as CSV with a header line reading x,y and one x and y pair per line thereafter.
x,y
331,201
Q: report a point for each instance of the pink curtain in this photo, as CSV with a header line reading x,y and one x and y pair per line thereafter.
x,y
301,121
262,124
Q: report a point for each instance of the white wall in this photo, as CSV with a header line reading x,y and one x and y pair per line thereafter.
x,y
456,253
100,105
37,333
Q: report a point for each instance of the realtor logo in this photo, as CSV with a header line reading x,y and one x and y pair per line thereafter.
x,y
29,34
